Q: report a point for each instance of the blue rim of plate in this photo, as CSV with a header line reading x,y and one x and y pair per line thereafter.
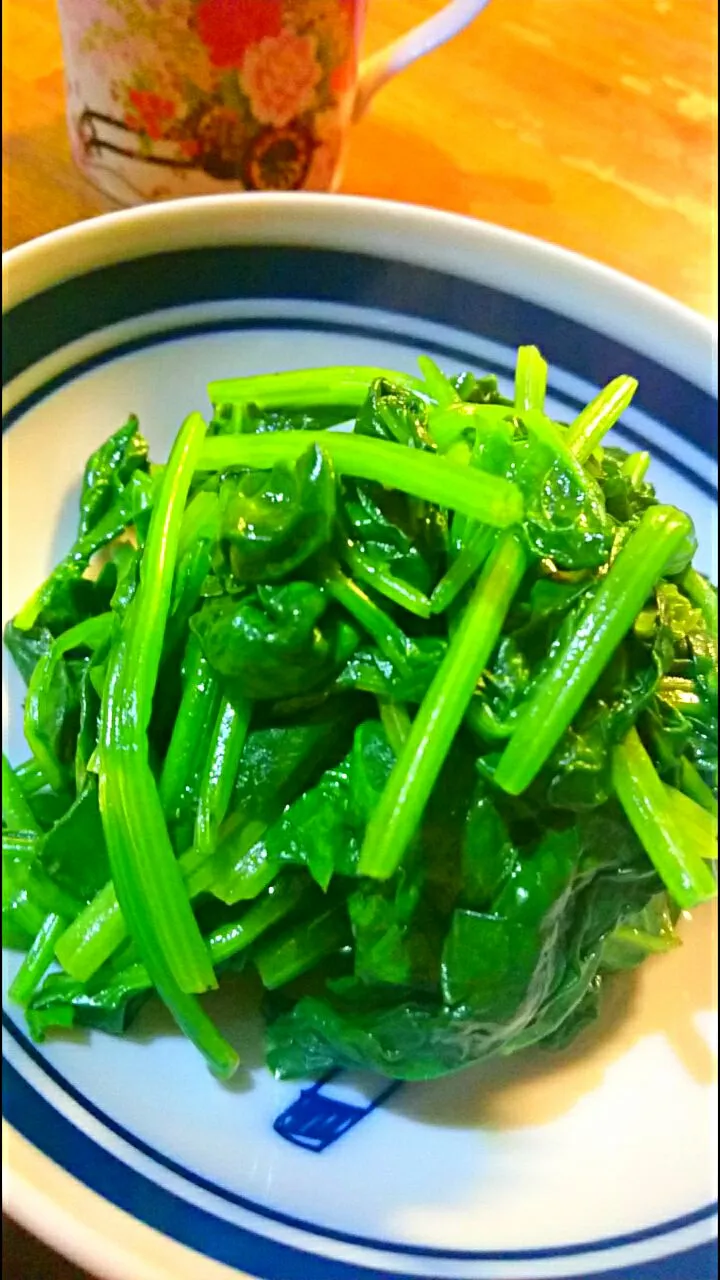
x,y
124,291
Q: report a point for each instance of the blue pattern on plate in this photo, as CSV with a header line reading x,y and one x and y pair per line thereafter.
x,y
317,1120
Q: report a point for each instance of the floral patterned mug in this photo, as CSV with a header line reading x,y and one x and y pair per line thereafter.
x,y
189,97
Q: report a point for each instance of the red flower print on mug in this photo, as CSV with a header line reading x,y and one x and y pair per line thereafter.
x,y
149,113
228,28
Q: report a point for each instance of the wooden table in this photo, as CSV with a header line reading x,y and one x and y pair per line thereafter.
x,y
24,1258
586,122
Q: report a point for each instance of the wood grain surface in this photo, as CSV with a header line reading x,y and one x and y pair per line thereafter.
x,y
25,1258
591,123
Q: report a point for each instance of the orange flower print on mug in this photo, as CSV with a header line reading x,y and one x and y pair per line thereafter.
x,y
280,75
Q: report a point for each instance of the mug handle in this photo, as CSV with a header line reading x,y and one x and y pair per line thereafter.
x,y
380,67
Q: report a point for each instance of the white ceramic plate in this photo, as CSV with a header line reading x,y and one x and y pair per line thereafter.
x,y
127,1155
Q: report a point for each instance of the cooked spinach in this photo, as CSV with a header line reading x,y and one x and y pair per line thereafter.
x,y
425,707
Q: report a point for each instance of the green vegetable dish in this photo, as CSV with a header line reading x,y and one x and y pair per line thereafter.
x,y
415,719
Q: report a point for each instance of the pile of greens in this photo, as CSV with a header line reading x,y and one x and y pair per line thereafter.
x,y
417,720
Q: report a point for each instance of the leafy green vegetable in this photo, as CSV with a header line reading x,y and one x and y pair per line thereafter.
x,y
276,764
320,830
307,388
73,852
302,947
411,470
421,712
16,812
52,706
108,470
37,960
63,1002
31,778
220,772
271,644
181,774
371,671
601,627
395,413
110,1000
599,416
199,533
27,646
648,932
659,825
531,375
67,596
489,855
397,816
93,936
393,543
272,524
145,873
